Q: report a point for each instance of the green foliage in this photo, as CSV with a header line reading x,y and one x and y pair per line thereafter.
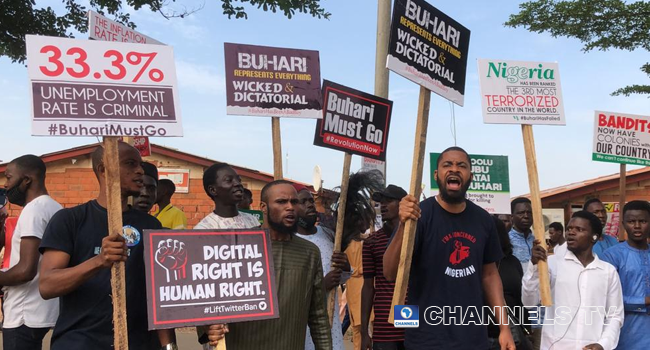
x,y
598,24
21,17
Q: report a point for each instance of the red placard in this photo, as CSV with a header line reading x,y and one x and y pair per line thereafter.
x,y
143,146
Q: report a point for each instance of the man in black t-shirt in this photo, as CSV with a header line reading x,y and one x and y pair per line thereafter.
x,y
453,267
77,257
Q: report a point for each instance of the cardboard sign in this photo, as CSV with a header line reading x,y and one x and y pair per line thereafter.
x,y
201,277
102,28
621,138
353,121
180,178
100,88
490,187
516,92
141,143
429,48
272,81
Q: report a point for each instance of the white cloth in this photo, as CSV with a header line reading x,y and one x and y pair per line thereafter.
x,y
216,222
324,243
560,251
587,303
23,303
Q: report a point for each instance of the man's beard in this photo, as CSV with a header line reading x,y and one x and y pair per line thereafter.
x,y
455,198
281,228
308,221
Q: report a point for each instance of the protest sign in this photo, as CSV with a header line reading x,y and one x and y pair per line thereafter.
x,y
272,82
256,213
429,48
490,187
202,277
368,164
517,92
353,121
613,219
102,28
180,178
141,143
621,138
99,88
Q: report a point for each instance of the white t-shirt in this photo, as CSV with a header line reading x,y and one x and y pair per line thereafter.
x,y
216,222
23,304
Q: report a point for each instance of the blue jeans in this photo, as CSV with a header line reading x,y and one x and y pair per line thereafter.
x,y
23,338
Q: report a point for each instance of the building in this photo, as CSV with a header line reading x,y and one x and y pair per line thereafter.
x,y
606,188
70,179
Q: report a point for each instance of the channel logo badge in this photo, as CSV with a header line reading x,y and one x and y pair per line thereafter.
x,y
407,316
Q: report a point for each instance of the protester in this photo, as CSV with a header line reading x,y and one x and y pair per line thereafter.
x,y
147,198
596,207
507,220
521,236
587,305
27,317
168,215
631,261
223,185
247,200
556,236
298,280
336,267
511,274
454,259
377,290
78,254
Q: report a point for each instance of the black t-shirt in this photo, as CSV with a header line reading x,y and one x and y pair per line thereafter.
x,y
86,314
447,267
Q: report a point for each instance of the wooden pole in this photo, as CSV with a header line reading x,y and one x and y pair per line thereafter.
x,y
408,241
277,149
538,218
114,208
340,220
622,234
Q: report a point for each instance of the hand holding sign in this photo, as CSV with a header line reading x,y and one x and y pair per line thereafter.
x,y
172,256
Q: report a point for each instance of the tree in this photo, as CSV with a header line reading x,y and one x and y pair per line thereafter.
x,y
21,17
598,24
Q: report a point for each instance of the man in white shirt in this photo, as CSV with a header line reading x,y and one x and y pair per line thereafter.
x,y
587,311
27,317
223,185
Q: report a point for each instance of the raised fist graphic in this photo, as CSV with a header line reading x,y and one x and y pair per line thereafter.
x,y
172,256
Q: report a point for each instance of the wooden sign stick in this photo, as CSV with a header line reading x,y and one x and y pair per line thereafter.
x,y
340,220
408,241
622,234
114,209
277,148
538,219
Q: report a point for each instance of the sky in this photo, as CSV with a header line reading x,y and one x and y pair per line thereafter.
x,y
346,43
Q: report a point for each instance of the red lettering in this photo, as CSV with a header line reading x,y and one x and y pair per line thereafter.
x,y
602,120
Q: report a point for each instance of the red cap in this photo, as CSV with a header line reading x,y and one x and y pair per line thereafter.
x,y
300,187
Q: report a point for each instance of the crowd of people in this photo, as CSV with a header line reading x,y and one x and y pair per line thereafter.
x,y
463,259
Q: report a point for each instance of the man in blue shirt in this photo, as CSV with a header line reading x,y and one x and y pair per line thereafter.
x,y
596,207
521,236
632,261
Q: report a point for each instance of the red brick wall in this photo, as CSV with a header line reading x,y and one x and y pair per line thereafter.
x,y
77,186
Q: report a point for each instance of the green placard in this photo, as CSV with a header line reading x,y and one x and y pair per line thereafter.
x,y
256,213
490,187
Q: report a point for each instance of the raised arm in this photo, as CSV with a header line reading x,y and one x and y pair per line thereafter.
x,y
58,279
409,209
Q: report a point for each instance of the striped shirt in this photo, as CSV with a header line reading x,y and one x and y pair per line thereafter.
x,y
301,303
373,267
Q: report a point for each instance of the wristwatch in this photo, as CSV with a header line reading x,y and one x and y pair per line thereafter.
x,y
170,346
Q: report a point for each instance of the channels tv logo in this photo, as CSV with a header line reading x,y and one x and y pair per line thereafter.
x,y
407,316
